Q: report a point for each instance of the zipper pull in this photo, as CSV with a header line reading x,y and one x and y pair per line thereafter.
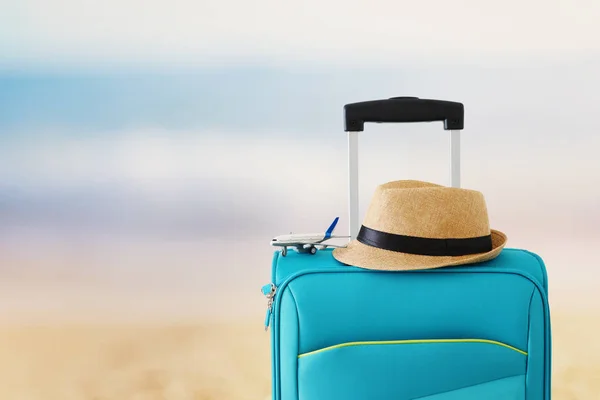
x,y
268,318
269,292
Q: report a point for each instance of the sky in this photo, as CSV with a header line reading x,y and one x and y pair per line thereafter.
x,y
97,34
155,136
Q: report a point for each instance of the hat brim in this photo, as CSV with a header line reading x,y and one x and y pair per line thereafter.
x,y
363,256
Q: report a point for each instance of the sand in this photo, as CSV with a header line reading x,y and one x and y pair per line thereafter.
x,y
205,361
127,362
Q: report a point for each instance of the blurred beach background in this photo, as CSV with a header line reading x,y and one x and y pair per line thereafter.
x,y
150,150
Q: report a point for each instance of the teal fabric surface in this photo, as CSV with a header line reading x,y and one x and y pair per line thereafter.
x,y
403,371
394,308
289,353
321,303
536,348
512,388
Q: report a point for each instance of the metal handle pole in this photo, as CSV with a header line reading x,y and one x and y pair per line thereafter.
x,y
353,184
455,158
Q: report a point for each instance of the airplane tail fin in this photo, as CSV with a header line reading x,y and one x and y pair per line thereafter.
x,y
331,228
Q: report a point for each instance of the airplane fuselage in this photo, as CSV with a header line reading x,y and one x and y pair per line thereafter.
x,y
290,240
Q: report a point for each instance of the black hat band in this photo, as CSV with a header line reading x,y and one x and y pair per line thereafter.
x,y
424,246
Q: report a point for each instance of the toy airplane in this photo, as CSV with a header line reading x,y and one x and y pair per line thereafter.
x,y
306,242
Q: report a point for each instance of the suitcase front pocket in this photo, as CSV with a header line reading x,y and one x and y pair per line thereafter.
x,y
431,369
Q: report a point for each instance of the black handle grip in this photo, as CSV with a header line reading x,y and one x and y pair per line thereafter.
x,y
403,109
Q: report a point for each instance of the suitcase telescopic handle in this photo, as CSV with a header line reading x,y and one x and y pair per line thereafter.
x,y
398,110
403,109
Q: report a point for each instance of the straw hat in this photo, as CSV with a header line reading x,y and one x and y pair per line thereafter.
x,y
413,225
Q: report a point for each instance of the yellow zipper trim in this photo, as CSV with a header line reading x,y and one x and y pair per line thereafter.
x,y
419,341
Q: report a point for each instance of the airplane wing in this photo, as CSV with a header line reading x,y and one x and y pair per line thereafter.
x,y
333,245
318,244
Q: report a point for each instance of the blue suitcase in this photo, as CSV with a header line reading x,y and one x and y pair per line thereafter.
x,y
453,333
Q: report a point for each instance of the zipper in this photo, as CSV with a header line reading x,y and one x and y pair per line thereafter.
x,y
269,291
